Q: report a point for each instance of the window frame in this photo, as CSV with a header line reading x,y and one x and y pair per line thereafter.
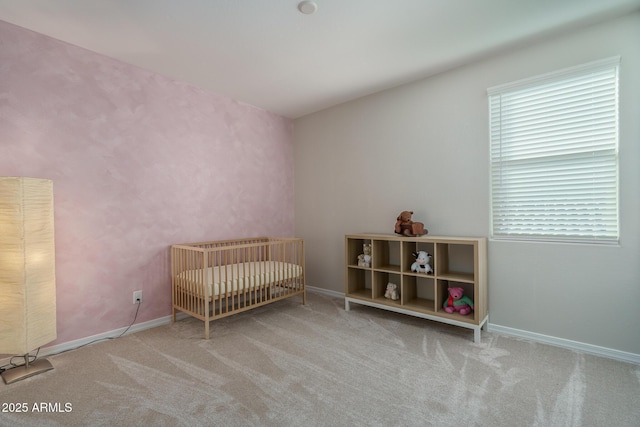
x,y
544,232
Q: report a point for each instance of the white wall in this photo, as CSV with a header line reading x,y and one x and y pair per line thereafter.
x,y
424,147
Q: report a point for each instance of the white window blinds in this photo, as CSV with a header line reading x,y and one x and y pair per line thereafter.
x,y
554,155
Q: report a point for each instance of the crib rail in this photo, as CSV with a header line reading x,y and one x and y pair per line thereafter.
x,y
215,279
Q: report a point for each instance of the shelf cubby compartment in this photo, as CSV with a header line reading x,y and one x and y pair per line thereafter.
x,y
353,248
409,247
418,293
386,255
359,283
456,261
442,292
380,281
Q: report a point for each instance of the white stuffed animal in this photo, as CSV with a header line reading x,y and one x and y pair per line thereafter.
x,y
422,262
392,291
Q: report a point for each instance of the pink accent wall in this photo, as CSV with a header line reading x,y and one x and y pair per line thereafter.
x,y
138,162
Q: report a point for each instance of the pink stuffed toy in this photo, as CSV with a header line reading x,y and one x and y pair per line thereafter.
x,y
457,301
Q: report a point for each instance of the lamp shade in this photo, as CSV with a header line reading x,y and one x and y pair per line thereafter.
x,y
27,265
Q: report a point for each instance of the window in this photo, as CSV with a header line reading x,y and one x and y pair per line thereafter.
x,y
554,155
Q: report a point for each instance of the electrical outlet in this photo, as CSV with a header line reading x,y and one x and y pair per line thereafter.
x,y
137,297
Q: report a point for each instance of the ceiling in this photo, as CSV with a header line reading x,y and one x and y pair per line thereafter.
x,y
268,54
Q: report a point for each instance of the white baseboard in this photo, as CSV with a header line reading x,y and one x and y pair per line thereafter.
x,y
71,345
325,292
137,327
568,344
533,336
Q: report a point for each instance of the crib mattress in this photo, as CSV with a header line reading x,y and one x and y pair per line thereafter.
x,y
244,276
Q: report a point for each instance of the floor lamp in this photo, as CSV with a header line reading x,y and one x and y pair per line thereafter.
x,y
27,272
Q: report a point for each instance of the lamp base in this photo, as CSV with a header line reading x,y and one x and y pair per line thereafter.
x,y
25,371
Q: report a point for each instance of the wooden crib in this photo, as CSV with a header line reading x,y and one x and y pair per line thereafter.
x,y
211,280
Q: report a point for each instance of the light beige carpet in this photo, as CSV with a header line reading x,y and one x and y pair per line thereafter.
x,y
316,365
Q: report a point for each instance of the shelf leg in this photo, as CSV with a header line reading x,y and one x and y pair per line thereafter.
x,y
476,335
346,305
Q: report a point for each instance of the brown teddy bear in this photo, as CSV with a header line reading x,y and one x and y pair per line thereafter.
x,y
406,227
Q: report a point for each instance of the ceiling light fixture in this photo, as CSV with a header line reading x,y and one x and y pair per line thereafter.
x,y
307,7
